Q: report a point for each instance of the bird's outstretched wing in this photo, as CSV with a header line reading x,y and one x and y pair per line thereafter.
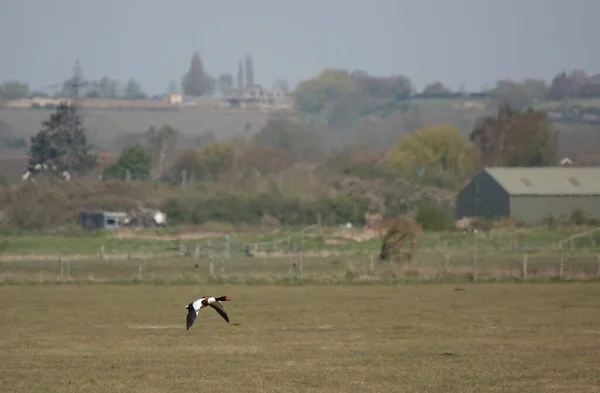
x,y
189,321
219,308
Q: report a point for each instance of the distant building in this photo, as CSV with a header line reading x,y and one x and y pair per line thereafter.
x,y
102,220
175,98
531,194
258,98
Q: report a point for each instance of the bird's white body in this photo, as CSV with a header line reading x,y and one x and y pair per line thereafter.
x,y
200,303
206,301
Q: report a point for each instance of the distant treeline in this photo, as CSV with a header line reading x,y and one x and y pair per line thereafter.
x,y
448,95
562,112
575,114
115,108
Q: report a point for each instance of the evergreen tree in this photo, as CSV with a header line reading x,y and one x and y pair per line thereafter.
x,y
61,144
197,82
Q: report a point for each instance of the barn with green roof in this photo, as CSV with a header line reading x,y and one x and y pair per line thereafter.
x,y
531,194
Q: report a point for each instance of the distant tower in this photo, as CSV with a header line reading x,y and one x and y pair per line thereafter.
x,y
240,77
76,82
249,71
72,86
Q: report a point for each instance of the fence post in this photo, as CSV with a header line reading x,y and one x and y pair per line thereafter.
x,y
446,262
561,268
301,258
222,266
196,255
525,266
372,265
301,267
60,268
291,257
211,268
292,267
102,252
228,246
474,273
319,223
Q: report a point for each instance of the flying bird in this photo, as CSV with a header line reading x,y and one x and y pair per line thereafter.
x,y
205,301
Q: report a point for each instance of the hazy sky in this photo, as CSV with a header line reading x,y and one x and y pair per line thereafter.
x,y
454,41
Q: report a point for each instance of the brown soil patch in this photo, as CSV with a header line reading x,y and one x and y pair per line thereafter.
x,y
334,241
187,235
357,235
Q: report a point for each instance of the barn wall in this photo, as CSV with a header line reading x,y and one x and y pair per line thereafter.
x,y
534,209
482,197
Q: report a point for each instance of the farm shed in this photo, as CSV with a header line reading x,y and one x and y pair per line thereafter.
x,y
531,194
102,220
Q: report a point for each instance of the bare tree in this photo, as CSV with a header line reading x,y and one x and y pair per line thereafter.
x,y
162,146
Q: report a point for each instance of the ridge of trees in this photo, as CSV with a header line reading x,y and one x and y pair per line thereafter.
x,y
334,84
280,174
362,93
434,153
196,82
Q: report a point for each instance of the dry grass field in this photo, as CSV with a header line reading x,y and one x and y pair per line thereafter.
x,y
105,125
413,338
286,270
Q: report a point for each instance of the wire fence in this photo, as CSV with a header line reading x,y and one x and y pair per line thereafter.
x,y
289,259
297,265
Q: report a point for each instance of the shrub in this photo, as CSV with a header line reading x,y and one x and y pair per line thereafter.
x,y
109,202
550,222
214,159
484,224
338,210
226,207
432,217
269,222
400,239
238,208
134,159
578,217
36,206
175,211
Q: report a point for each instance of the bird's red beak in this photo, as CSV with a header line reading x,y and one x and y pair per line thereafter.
x,y
227,299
